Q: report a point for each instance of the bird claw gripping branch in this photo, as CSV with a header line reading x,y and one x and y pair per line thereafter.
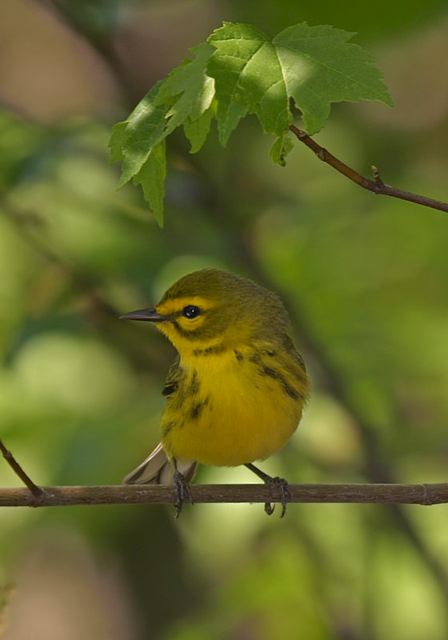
x,y
281,485
182,492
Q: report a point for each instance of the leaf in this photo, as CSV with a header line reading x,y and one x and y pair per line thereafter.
x,y
117,140
240,71
191,87
247,79
320,67
315,66
197,131
182,98
151,178
280,149
145,128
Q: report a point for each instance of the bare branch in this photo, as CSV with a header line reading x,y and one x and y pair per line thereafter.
x,y
15,466
376,185
422,494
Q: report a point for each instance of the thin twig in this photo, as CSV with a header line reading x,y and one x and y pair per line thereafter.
x,y
421,494
36,491
376,185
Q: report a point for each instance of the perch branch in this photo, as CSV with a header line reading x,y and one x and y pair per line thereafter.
x,y
422,494
376,185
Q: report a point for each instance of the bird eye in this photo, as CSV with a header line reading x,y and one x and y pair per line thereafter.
x,y
191,311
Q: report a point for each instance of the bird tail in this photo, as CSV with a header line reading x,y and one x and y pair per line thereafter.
x,y
158,469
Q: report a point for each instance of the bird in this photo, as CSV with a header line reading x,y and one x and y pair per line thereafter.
x,y
237,389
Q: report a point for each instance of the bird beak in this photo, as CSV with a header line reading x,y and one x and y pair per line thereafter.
x,y
147,315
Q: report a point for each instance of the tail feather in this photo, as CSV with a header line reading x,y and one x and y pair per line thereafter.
x,y
158,469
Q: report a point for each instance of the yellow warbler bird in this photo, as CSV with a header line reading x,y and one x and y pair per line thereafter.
x,y
237,389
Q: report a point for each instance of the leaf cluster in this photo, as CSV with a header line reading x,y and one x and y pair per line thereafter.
x,y
236,72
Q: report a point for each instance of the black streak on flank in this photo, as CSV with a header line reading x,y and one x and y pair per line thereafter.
x,y
193,387
190,389
167,427
198,409
276,375
238,355
255,358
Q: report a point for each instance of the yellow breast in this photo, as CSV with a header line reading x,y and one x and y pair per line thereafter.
x,y
234,407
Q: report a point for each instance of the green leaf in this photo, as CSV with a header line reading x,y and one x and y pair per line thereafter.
x,y
247,76
182,98
240,71
117,140
197,131
192,89
315,66
320,67
145,128
151,178
283,145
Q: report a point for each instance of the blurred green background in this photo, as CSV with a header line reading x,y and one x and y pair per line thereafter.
x,y
365,280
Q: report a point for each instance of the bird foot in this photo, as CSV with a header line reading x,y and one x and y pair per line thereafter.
x,y
182,492
281,486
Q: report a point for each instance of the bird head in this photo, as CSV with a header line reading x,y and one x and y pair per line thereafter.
x,y
215,309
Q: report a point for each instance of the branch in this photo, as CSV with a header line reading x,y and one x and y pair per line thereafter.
x,y
422,494
15,466
376,185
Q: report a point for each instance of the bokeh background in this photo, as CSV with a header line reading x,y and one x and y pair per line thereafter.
x,y
364,278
